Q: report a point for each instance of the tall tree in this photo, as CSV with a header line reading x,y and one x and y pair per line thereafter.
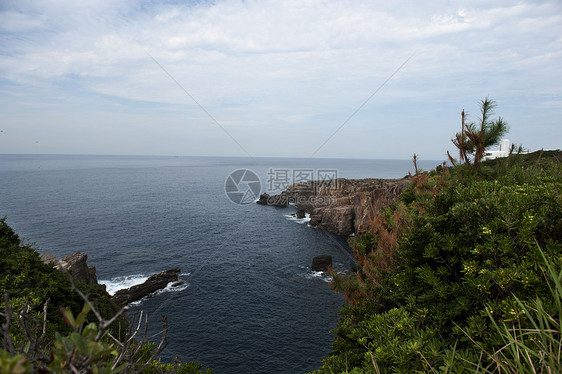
x,y
475,138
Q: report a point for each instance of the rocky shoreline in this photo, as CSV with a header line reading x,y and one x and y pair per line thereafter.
x,y
76,265
340,206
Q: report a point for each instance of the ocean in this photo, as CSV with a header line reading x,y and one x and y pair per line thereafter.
x,y
249,302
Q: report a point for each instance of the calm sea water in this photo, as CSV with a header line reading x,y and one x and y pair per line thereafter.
x,y
250,303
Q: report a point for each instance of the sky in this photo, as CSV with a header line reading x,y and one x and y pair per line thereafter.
x,y
320,78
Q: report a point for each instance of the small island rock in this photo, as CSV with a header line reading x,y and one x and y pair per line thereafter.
x,y
321,263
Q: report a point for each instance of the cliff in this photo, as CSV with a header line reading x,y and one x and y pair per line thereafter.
x,y
341,206
75,264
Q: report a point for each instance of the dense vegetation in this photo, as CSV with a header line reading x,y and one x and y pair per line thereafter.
x,y
28,281
462,274
49,325
462,257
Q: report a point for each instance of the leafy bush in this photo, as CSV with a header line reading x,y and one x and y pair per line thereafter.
x,y
537,349
457,248
50,325
28,281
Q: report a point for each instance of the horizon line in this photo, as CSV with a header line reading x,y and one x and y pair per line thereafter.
x,y
209,156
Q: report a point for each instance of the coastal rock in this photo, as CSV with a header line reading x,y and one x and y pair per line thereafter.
x,y
281,200
76,265
152,284
321,263
341,206
263,199
48,258
92,274
336,219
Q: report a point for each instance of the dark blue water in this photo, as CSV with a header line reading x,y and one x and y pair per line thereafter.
x,y
249,304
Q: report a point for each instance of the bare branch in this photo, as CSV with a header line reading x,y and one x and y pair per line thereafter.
x,y
7,342
163,343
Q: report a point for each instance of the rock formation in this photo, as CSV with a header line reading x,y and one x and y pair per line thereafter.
x,y
341,206
152,284
48,258
75,264
321,263
280,200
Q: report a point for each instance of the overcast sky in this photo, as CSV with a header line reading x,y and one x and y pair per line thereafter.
x,y
274,78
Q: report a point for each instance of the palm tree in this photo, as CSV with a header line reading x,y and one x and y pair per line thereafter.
x,y
476,138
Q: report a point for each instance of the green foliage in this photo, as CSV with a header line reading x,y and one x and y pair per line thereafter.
x,y
88,348
13,364
28,281
537,348
475,138
83,347
468,258
188,368
49,325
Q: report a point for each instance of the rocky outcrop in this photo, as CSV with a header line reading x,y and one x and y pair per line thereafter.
x,y
280,200
321,263
341,206
75,264
48,258
152,284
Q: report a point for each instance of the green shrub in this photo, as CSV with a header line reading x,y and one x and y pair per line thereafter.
x,y
49,325
28,281
457,248
536,347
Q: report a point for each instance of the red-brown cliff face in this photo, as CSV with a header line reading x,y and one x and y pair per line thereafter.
x,y
341,206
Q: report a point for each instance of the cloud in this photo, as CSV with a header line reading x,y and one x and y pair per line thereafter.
x,y
282,64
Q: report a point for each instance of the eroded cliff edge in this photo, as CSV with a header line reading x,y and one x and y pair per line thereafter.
x,y
340,206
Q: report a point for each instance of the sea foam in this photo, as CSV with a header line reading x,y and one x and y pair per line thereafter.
x,y
293,217
126,281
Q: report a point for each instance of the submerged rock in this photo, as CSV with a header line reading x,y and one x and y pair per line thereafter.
x,y
152,284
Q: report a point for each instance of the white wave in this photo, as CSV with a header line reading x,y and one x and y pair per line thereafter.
x,y
126,281
177,288
311,274
293,217
118,283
